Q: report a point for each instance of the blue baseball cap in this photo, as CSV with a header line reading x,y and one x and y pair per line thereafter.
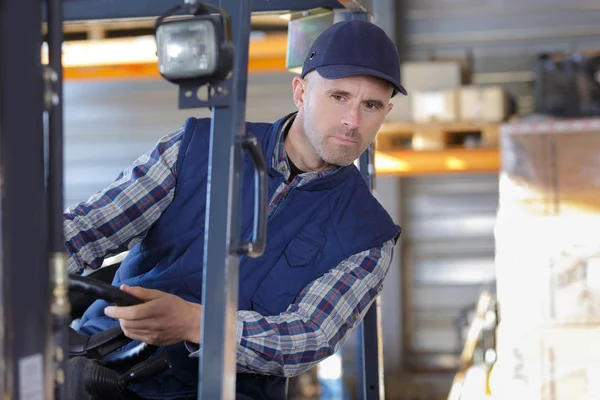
x,y
355,47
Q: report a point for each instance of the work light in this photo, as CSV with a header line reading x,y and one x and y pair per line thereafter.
x,y
194,48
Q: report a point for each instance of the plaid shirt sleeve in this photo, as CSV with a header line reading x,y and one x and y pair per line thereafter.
x,y
319,321
119,216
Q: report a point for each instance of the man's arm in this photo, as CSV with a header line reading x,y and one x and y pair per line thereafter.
x,y
318,322
117,217
311,329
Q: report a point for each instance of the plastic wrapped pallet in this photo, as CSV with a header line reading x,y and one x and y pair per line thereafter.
x,y
548,269
547,237
550,168
548,224
548,363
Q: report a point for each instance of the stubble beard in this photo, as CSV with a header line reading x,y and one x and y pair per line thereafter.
x,y
326,148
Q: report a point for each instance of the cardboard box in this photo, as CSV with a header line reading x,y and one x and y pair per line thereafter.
x,y
548,269
423,76
551,168
484,104
549,363
435,106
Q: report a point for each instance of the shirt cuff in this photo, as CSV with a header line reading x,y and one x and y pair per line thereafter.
x,y
240,331
194,348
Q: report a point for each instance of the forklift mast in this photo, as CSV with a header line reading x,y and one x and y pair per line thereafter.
x,y
33,279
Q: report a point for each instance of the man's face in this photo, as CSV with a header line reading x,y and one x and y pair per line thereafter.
x,y
341,117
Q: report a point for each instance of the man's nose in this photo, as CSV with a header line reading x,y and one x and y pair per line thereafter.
x,y
350,119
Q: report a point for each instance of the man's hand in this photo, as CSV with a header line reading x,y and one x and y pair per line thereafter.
x,y
162,320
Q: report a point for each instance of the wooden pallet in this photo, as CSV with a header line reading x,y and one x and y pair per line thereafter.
x,y
436,136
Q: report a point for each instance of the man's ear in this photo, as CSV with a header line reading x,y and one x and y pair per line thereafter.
x,y
390,106
299,87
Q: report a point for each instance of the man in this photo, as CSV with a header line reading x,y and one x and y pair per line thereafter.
x,y
329,241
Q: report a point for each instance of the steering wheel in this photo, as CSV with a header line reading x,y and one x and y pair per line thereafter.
x,y
100,345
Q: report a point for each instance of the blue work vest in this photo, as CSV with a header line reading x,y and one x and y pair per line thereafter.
x,y
319,225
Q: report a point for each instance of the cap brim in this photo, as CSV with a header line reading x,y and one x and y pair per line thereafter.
x,y
344,71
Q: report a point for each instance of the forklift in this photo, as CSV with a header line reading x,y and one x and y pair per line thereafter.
x,y
36,338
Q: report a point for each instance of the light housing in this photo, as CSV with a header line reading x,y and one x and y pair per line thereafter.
x,y
303,29
194,49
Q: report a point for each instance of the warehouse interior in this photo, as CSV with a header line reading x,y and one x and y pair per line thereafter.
x,y
489,165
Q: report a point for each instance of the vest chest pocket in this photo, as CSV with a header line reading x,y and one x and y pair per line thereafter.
x,y
304,247
292,272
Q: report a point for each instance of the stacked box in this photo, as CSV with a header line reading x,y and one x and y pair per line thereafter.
x,y
548,270
547,363
548,261
551,168
466,103
435,106
481,103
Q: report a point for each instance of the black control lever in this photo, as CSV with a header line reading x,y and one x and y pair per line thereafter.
x,y
145,370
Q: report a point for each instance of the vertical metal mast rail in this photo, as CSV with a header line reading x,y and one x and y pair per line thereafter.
x,y
370,346
221,258
60,307
24,251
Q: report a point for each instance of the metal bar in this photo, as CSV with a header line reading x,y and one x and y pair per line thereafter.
x,y
78,10
384,16
357,6
60,306
217,374
55,140
370,350
366,165
24,251
370,353
373,384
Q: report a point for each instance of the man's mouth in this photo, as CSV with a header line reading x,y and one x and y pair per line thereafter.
x,y
344,139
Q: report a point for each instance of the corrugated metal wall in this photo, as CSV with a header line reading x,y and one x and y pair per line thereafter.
x,y
502,37
448,259
108,124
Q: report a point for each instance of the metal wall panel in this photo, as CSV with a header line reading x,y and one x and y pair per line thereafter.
x,y
448,259
454,22
501,38
108,124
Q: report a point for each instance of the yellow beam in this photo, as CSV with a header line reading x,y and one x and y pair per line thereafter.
x,y
135,58
447,161
150,70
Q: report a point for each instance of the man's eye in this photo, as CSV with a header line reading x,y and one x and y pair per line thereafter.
x,y
371,106
337,97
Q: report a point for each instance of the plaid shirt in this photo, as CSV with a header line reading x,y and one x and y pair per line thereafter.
x,y
312,328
